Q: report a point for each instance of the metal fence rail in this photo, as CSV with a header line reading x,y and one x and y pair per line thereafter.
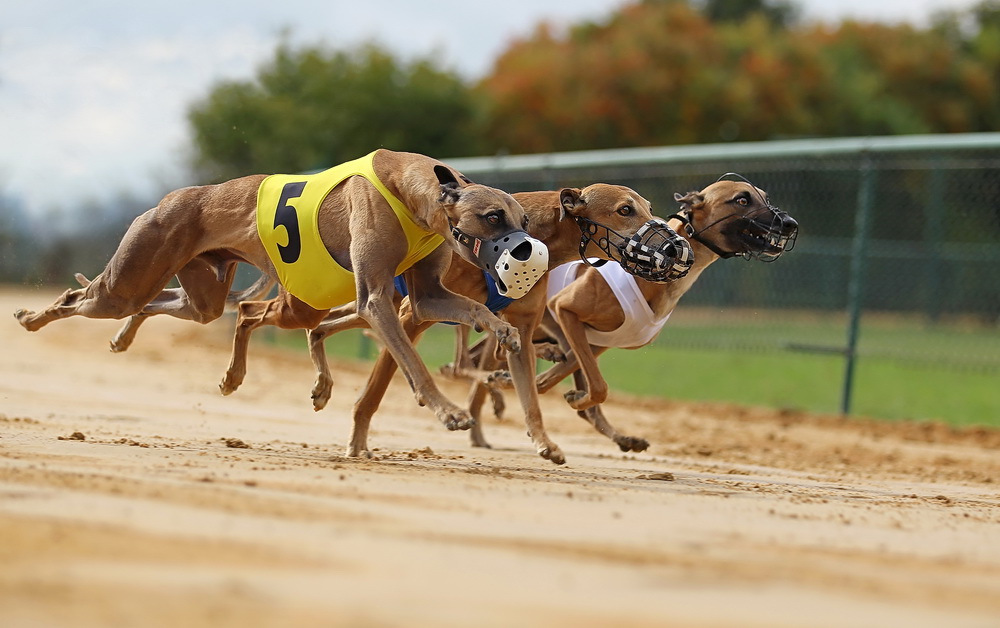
x,y
905,227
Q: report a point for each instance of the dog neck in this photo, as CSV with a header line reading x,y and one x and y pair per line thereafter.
x,y
547,222
663,297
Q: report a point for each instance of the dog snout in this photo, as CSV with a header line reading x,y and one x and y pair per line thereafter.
x,y
789,225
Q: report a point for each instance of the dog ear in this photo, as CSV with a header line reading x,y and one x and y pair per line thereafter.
x,y
570,201
450,188
689,200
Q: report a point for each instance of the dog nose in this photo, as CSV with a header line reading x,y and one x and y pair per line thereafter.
x,y
788,224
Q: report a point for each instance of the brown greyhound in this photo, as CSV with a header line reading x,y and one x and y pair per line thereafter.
x,y
726,219
619,210
370,219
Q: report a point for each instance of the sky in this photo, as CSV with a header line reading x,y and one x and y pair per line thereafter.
x,y
94,93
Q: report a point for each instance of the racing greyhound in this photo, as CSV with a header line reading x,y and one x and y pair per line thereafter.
x,y
360,223
593,309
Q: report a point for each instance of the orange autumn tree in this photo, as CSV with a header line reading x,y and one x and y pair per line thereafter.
x,y
661,72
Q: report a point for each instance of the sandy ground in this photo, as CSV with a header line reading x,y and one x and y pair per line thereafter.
x,y
133,494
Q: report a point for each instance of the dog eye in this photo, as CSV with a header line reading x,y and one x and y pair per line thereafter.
x,y
524,223
493,218
625,210
742,200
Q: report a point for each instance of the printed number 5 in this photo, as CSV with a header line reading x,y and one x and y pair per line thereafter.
x,y
286,217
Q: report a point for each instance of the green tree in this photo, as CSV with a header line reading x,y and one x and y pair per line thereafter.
x,y
310,108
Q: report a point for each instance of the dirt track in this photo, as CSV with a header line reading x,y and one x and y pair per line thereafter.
x,y
180,507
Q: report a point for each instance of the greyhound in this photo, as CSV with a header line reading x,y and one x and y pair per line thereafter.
x,y
589,309
358,224
606,221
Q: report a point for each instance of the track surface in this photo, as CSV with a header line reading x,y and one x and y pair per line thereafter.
x,y
181,507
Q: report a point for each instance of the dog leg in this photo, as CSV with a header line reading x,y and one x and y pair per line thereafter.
x,y
478,392
376,307
123,339
251,316
339,319
284,311
522,371
374,391
595,416
477,396
597,388
556,373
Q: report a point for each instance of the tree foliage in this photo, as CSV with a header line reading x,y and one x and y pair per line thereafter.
x,y
654,72
676,72
310,108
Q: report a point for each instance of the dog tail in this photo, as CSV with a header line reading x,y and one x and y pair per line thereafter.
x,y
255,292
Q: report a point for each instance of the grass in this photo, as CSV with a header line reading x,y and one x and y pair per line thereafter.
x,y
906,370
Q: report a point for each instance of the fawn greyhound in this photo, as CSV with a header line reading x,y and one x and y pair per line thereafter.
x,y
358,224
601,220
593,309
605,221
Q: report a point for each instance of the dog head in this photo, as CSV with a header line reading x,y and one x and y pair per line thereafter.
x,y
616,223
488,229
737,219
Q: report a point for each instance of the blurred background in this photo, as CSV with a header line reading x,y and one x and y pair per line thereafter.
x,y
873,124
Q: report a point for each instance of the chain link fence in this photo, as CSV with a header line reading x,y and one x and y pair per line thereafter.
x,y
897,262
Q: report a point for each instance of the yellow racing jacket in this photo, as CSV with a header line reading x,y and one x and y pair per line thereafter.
x,y
288,226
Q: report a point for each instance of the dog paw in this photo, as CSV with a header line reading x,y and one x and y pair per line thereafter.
x,y
499,405
120,345
631,443
229,384
456,420
359,452
448,370
578,399
552,453
25,318
550,352
499,379
508,337
321,392
476,439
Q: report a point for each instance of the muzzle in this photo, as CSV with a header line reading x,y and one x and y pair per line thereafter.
x,y
655,253
515,261
779,234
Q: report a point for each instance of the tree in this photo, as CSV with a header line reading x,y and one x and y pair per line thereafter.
x,y
666,72
311,108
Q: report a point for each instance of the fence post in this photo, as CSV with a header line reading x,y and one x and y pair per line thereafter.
x,y
933,227
855,285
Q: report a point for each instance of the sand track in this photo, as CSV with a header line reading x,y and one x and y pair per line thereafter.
x,y
182,507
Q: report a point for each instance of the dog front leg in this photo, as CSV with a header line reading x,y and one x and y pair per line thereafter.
x,y
595,416
431,301
375,388
522,371
375,305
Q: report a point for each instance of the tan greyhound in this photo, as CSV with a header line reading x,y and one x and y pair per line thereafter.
x,y
585,312
366,222
565,221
